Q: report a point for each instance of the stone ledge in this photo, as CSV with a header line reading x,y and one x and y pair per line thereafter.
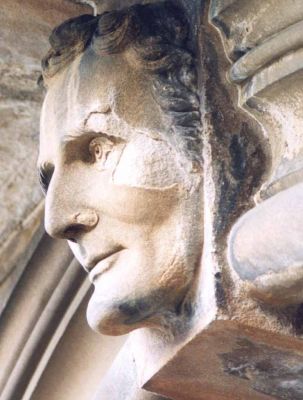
x,y
231,361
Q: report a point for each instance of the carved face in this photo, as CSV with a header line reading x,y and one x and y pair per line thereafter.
x,y
116,191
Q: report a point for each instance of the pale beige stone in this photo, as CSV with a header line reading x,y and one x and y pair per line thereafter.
x,y
123,183
265,244
24,36
143,242
172,250
83,355
265,247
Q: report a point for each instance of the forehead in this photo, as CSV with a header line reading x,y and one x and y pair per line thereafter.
x,y
104,94
85,86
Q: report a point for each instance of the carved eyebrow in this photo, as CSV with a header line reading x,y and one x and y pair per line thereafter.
x,y
45,173
106,111
83,136
76,147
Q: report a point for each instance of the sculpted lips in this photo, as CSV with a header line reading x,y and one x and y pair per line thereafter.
x,y
102,263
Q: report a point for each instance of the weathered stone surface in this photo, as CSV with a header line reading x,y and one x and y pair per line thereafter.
x,y
124,185
83,355
266,247
25,27
245,24
17,251
102,6
236,156
31,296
270,70
151,158
228,361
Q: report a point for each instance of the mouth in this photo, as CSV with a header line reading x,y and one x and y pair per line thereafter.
x,y
103,264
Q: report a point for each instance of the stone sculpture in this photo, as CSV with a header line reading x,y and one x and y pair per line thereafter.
x,y
123,185
121,163
265,245
151,203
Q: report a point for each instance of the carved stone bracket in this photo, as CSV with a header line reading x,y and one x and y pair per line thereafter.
x,y
264,42
254,348
175,172
229,361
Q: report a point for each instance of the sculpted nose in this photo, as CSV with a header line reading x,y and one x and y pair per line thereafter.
x,y
69,225
66,215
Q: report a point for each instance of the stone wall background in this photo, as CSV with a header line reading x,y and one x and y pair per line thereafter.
x,y
267,91
27,258
25,28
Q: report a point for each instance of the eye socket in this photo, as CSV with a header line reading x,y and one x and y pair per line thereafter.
x,y
96,149
99,150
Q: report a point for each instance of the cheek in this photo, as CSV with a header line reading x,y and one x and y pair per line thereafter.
x,y
147,163
87,187
134,205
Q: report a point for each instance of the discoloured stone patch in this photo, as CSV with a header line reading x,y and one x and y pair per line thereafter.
x,y
270,371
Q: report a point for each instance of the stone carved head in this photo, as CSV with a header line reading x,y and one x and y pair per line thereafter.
x,y
120,161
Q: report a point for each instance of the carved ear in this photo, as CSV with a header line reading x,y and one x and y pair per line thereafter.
x,y
115,30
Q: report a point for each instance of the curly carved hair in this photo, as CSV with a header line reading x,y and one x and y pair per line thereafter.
x,y
156,35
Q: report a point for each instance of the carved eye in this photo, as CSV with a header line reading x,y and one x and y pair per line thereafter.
x,y
99,149
96,150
